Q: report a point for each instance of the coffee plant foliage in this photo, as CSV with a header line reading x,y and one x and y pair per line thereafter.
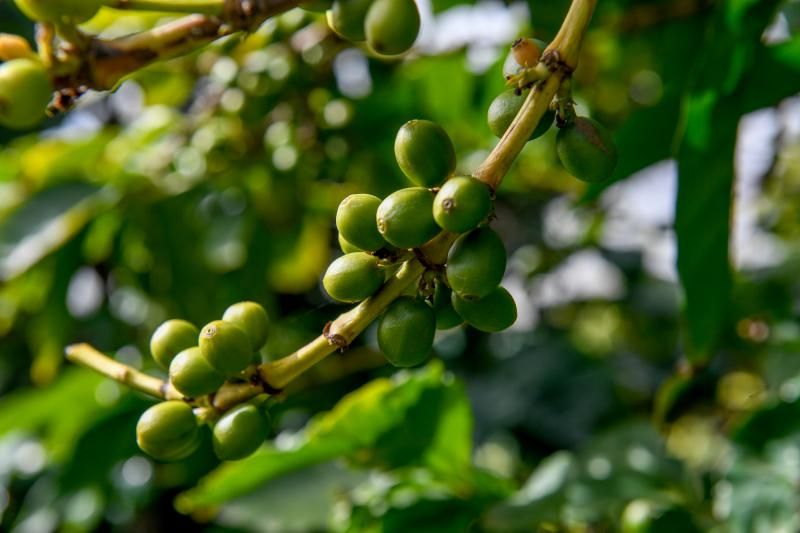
x,y
649,381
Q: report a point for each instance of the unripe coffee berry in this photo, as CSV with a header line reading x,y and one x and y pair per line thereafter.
x,y
171,338
347,247
252,319
424,152
226,347
392,26
405,218
476,263
494,312
168,431
346,18
355,220
353,277
25,92
62,11
586,149
239,432
446,315
191,374
461,204
406,331
505,107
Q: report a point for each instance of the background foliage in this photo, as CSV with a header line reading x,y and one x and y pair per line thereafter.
x,y
629,376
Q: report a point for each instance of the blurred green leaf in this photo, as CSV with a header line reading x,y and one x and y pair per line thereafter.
x,y
778,75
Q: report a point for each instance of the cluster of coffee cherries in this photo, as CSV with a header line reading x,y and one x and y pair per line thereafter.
x,y
389,27
199,362
377,234
584,146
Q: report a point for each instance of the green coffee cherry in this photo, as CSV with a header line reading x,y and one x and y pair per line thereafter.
x,y
494,312
191,374
347,247
353,277
171,338
226,347
316,6
505,108
461,204
476,263
346,18
511,64
405,218
587,150
355,220
63,11
446,315
252,319
168,431
392,26
25,91
424,152
239,432
405,331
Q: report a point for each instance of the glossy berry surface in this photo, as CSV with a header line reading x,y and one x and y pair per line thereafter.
x,y
168,431
348,247
252,318
494,312
587,150
424,152
392,26
346,18
355,220
239,433
505,107
190,373
226,347
171,338
524,52
461,204
25,92
405,218
353,277
406,331
61,11
476,263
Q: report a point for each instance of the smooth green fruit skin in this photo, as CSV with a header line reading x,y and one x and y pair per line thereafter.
x,y
239,432
446,315
74,11
25,91
405,218
191,374
353,277
252,318
494,312
461,204
355,220
168,431
510,65
346,18
171,338
405,332
505,107
392,26
587,150
226,347
348,247
424,152
476,263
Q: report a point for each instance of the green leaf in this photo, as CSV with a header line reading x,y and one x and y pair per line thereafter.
x,y
711,112
365,426
47,221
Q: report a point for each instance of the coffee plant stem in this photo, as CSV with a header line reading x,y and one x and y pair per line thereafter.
x,y
202,7
343,330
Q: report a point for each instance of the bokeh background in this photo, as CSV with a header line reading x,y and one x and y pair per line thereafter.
x,y
215,177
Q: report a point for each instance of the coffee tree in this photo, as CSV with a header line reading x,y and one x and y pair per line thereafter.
x,y
232,214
